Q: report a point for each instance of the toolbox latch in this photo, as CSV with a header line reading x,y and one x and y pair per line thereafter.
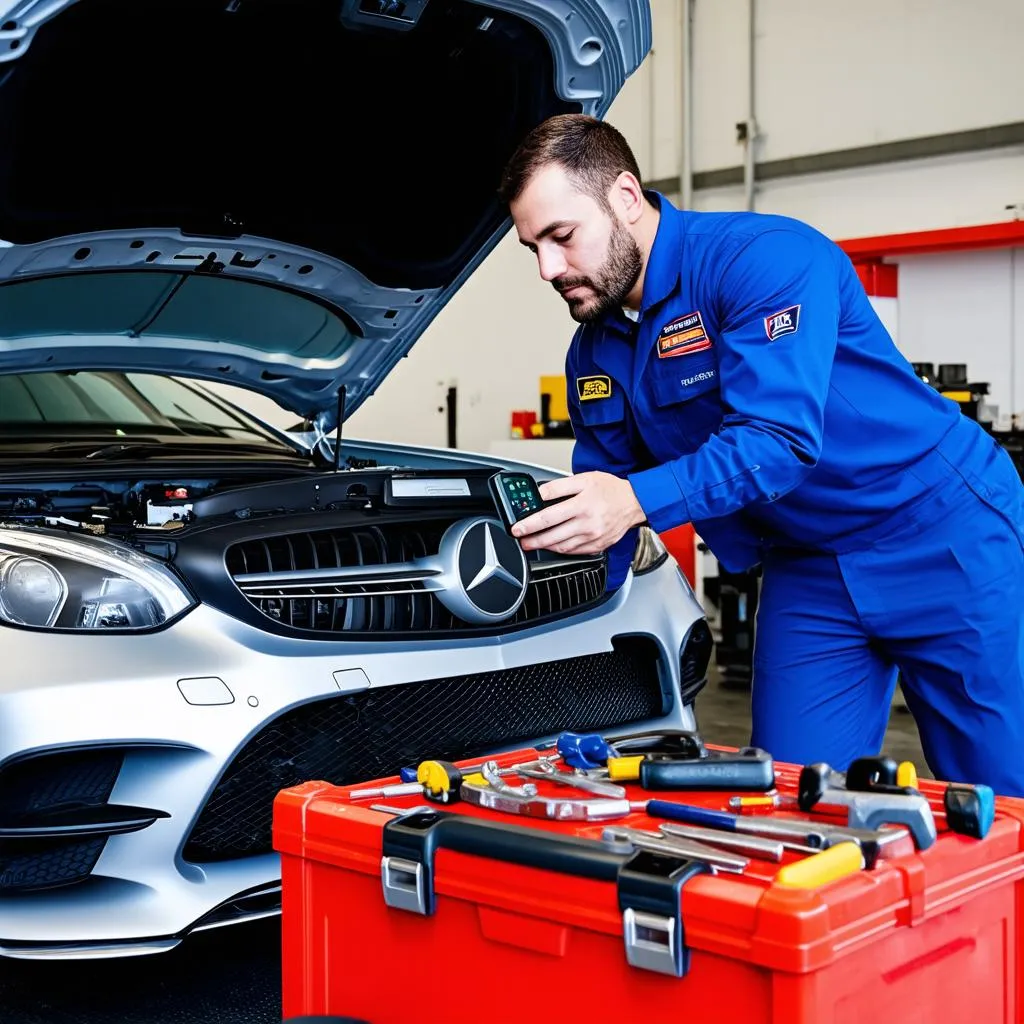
x,y
407,864
650,898
404,884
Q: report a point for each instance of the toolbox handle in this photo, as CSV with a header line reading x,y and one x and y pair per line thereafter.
x,y
415,838
649,886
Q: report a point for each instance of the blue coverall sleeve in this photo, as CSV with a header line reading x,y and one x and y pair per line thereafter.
x,y
609,454
778,304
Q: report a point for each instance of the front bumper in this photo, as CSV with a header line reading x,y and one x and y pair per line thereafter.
x,y
185,701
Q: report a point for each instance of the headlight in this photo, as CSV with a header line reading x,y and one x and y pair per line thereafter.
x,y
84,583
650,551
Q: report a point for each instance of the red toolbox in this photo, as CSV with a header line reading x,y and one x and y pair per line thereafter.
x,y
459,915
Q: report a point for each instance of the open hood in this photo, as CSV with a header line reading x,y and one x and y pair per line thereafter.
x,y
276,194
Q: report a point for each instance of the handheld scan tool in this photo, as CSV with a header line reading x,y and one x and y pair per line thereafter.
x,y
516,496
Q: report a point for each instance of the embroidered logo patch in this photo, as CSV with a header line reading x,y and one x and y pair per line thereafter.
x,y
593,387
786,321
683,336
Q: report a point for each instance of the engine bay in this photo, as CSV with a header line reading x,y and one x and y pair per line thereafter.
x,y
138,507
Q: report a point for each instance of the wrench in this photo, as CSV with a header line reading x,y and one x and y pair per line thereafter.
x,y
670,846
412,788
547,771
498,795
554,808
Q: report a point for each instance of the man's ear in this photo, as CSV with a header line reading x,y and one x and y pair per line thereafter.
x,y
626,197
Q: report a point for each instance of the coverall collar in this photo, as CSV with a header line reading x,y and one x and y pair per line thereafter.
x,y
664,267
665,263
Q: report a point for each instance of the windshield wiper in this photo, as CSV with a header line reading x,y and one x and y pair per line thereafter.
x,y
131,449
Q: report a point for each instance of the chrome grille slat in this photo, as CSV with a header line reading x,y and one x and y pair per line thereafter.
x,y
324,593
367,579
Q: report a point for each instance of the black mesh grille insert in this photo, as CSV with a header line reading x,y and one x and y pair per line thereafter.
x,y
548,596
71,778
47,865
357,737
694,660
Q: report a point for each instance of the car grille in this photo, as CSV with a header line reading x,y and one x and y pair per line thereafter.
x,y
373,733
694,659
48,782
397,605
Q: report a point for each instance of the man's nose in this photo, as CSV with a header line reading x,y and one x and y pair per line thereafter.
x,y
552,263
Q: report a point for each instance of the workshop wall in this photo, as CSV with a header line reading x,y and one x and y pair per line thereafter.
x,y
828,79
967,307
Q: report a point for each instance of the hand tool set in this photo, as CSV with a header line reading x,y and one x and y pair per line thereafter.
x,y
718,869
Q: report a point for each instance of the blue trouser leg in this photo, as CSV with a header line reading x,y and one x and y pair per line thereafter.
x,y
821,689
948,607
944,603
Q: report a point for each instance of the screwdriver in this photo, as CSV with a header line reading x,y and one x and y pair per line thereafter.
x,y
438,781
756,804
796,834
838,861
748,769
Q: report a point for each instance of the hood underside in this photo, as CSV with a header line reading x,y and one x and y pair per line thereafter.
x,y
277,195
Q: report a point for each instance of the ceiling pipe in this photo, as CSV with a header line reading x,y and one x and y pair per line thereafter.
x,y
686,73
748,129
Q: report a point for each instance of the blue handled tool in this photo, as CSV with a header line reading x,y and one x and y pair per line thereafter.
x,y
795,834
584,750
970,810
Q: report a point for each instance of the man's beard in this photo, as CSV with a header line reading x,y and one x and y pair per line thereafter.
x,y
611,284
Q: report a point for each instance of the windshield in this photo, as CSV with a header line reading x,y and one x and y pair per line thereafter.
x,y
100,405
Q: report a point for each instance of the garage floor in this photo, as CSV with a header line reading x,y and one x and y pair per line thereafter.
x,y
232,976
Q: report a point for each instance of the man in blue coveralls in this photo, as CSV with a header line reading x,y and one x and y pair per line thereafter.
x,y
729,371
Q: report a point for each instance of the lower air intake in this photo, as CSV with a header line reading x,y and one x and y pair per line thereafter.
x,y
373,733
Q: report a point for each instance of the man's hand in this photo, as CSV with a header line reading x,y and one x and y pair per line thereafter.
x,y
598,509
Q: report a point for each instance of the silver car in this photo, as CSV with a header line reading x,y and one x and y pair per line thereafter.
x,y
197,610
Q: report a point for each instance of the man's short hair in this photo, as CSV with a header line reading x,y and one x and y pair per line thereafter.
x,y
592,152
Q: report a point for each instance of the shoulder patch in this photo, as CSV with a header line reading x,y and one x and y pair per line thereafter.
x,y
683,336
597,386
786,321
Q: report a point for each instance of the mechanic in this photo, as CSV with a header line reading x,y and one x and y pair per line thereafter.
x,y
729,371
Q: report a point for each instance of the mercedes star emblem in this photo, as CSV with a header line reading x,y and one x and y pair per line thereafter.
x,y
485,571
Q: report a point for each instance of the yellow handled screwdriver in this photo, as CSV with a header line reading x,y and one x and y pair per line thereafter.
x,y
837,861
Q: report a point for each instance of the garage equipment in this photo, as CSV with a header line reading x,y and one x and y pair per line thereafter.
x,y
952,381
880,805
970,810
675,759
591,750
795,834
547,772
626,920
438,781
748,768
755,846
488,789
584,750
837,861
675,846
967,809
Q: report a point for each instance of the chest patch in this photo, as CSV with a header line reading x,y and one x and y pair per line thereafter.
x,y
597,386
786,321
683,336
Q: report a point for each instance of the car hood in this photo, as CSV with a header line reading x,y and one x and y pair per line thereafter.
x,y
277,195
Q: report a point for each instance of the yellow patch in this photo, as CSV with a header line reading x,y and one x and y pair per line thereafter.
x,y
593,387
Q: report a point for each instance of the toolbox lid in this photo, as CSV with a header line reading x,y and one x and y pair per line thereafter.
x,y
747,917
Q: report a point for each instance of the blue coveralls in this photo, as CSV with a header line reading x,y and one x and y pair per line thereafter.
x,y
760,398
